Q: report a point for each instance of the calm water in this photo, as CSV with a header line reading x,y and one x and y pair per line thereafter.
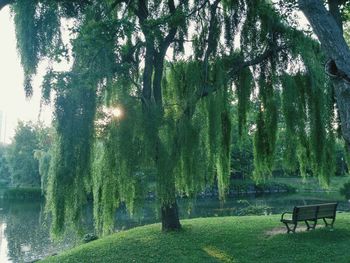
x,y
24,231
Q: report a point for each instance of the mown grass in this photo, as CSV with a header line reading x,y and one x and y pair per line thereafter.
x,y
228,239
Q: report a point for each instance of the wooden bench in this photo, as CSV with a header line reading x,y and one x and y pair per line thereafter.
x,y
310,214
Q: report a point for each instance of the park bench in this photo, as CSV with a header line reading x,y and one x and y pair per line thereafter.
x,y
310,214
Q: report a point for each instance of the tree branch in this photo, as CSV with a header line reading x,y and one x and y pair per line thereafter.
x,y
260,58
334,10
328,33
239,66
333,44
195,10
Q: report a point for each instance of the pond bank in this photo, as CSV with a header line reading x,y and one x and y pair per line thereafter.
x,y
227,239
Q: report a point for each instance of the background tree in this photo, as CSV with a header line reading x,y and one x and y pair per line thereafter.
x,y
5,175
28,138
24,168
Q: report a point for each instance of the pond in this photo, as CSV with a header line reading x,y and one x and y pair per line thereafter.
x,y
24,230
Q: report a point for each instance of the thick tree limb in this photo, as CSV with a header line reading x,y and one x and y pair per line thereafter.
x,y
328,32
333,44
258,59
241,64
334,10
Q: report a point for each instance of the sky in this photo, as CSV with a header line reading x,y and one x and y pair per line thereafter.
x,y
13,103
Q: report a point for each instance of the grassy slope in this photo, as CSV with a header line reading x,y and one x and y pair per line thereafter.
x,y
227,239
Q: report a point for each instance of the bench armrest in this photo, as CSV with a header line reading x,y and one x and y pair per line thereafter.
x,y
284,214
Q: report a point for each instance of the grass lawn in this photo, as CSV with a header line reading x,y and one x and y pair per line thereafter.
x,y
227,239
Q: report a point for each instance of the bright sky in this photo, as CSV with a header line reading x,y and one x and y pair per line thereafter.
x,y
13,103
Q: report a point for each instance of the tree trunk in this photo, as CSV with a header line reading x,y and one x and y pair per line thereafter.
x,y
329,33
342,94
170,217
334,10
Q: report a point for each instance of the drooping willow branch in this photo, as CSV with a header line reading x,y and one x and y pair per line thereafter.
x,y
238,67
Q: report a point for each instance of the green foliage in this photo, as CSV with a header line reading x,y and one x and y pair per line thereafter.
x,y
69,175
177,113
245,85
38,34
44,159
23,165
5,175
205,131
266,131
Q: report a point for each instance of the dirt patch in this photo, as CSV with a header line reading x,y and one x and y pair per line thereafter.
x,y
283,230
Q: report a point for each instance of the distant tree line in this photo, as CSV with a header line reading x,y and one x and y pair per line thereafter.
x,y
25,162
22,161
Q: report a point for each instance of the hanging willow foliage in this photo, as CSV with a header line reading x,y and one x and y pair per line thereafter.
x,y
69,173
204,131
244,85
176,128
38,34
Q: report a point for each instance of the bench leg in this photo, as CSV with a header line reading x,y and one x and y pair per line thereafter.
x,y
310,226
289,229
328,224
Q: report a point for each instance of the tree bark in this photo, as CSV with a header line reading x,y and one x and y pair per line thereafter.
x,y
334,46
334,10
152,96
170,217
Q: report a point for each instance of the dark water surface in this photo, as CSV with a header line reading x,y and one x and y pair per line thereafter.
x,y
24,230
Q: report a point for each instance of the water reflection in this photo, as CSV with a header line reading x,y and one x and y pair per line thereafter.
x,y
24,231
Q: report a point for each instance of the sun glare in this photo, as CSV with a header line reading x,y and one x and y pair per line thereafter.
x,y
113,112
117,112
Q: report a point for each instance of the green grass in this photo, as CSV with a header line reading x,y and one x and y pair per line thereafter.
x,y
227,239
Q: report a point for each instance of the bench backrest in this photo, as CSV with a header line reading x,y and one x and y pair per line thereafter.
x,y
312,212
304,212
327,210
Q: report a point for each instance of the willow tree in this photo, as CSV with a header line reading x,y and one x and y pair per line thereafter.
x,y
172,67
